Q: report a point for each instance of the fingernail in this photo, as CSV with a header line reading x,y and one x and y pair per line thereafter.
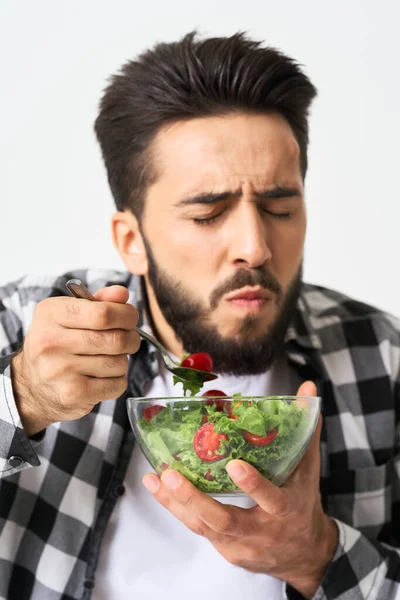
x,y
171,480
236,470
151,483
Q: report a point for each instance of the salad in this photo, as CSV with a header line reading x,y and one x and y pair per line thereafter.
x,y
198,439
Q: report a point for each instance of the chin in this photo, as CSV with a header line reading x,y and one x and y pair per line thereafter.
x,y
248,329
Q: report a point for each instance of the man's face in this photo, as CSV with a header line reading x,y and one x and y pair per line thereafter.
x,y
224,228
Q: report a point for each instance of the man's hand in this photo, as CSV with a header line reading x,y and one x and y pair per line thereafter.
x,y
74,356
287,534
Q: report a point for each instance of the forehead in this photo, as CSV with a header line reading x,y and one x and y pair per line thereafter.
x,y
217,151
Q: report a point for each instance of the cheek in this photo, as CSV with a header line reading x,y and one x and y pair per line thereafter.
x,y
184,251
287,249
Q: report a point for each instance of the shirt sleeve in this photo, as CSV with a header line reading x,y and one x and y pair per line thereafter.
x,y
364,568
361,569
17,451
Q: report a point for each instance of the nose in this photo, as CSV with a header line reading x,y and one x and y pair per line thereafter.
x,y
248,243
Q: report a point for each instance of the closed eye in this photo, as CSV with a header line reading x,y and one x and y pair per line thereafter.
x,y
277,215
208,220
214,218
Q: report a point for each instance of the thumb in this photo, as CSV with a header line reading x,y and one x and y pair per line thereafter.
x,y
113,293
307,388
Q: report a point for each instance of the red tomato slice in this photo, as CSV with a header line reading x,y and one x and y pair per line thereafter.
x,y
201,361
231,407
151,411
220,404
207,442
261,440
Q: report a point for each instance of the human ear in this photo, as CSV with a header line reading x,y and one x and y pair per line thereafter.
x,y
128,241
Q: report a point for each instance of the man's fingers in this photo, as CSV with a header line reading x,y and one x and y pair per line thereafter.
x,y
268,496
88,342
307,388
222,520
90,391
99,366
167,499
76,313
113,293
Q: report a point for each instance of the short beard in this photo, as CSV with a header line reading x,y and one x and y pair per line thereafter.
x,y
248,355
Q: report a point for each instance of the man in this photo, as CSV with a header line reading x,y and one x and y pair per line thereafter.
x,y
205,146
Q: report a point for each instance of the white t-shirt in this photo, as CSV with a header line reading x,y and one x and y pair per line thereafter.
x,y
148,554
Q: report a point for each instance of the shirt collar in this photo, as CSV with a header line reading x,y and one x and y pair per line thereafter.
x,y
300,329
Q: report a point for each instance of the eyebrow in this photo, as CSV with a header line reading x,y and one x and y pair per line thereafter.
x,y
211,198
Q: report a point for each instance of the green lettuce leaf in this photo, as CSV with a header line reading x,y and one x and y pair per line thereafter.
x,y
168,438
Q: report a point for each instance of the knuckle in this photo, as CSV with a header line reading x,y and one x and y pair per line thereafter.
x,y
281,505
49,370
226,523
72,309
68,396
187,500
133,315
133,342
231,557
44,343
253,484
43,307
118,341
93,339
200,529
252,555
117,362
101,315
117,387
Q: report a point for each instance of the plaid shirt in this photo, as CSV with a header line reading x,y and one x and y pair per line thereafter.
x,y
58,490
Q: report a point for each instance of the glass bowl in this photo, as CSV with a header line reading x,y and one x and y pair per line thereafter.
x,y
198,436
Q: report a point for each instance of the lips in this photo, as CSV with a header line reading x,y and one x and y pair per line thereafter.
x,y
250,295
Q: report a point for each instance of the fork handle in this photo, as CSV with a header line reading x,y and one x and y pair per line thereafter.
x,y
79,289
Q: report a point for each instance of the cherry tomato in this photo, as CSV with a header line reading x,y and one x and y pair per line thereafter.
x,y
219,404
261,440
207,442
231,407
201,361
151,411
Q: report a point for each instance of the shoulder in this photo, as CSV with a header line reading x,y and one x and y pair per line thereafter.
x,y
32,289
360,322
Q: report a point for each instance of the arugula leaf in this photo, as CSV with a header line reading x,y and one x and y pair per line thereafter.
x,y
188,386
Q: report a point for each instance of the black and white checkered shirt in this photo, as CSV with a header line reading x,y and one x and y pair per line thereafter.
x,y
57,492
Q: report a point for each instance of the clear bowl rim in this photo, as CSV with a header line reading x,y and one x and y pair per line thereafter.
x,y
203,398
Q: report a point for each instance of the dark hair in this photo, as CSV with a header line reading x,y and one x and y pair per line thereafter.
x,y
188,79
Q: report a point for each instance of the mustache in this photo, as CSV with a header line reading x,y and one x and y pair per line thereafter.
x,y
245,277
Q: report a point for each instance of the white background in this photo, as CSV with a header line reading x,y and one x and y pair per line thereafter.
x,y
55,57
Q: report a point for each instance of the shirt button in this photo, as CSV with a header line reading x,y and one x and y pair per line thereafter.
x,y
88,584
15,461
119,490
